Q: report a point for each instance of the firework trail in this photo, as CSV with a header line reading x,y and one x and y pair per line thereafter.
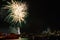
x,y
17,15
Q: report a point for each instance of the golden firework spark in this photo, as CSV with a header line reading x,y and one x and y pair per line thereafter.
x,y
18,11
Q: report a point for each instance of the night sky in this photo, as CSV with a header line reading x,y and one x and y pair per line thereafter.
x,y
42,14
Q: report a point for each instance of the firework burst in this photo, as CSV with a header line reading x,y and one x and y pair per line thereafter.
x,y
18,11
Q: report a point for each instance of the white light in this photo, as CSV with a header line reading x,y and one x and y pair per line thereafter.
x,y
18,30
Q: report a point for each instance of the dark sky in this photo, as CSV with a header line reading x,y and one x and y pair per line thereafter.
x,y
42,14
